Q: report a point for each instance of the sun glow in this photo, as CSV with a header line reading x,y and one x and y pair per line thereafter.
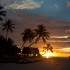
x,y
49,54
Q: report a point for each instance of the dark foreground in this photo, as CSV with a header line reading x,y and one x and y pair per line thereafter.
x,y
46,64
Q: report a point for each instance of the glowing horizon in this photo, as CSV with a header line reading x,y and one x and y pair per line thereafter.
x,y
61,52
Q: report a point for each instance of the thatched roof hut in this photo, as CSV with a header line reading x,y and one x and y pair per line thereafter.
x,y
31,51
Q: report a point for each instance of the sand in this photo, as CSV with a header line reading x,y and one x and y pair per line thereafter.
x,y
46,64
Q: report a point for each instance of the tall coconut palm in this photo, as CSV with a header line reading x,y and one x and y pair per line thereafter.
x,y
8,26
2,13
41,33
28,36
48,48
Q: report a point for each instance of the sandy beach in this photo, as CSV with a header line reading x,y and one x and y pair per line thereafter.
x,y
46,64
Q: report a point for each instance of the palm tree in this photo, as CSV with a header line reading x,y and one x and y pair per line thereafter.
x,y
8,26
10,41
28,36
2,13
48,48
40,33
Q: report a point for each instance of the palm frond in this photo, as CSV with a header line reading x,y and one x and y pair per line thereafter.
x,y
44,40
3,28
3,13
1,7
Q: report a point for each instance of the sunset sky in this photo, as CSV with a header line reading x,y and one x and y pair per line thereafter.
x,y
54,14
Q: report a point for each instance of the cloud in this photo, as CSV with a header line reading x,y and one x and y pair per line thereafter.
x,y
59,36
65,50
68,3
59,41
56,6
24,4
67,30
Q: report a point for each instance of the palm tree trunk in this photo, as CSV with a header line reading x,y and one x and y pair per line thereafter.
x,y
31,44
22,47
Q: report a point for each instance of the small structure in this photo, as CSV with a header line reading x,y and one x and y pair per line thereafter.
x,y
31,52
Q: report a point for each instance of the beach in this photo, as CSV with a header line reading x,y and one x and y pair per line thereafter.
x,y
46,64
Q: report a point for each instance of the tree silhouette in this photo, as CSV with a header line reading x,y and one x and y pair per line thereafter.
x,y
28,36
40,33
2,13
8,26
13,49
48,48
2,45
7,47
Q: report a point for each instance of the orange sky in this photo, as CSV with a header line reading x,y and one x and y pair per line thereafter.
x,y
58,51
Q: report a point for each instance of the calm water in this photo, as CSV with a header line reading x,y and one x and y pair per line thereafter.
x,y
46,64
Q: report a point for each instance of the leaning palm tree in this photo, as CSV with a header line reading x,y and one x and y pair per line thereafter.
x,y
2,13
40,33
8,26
28,36
48,48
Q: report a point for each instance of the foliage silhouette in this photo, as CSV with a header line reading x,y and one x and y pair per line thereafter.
x,y
7,47
2,13
48,48
34,36
40,33
8,26
28,36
